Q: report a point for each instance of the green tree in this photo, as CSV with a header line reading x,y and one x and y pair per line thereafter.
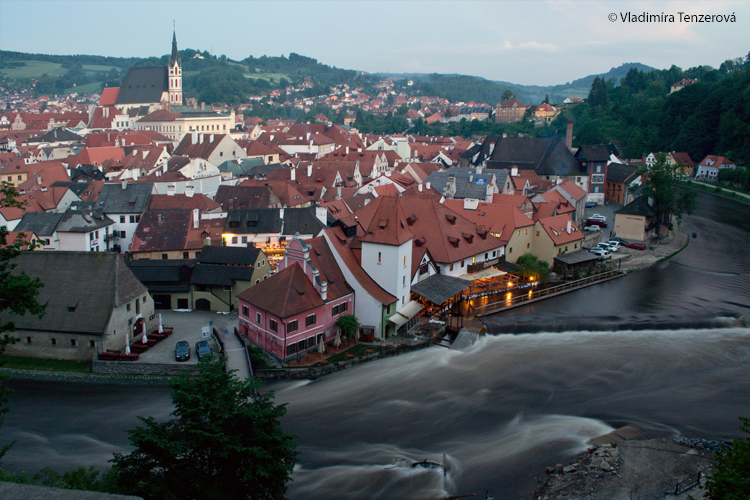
x,y
508,94
18,293
546,99
348,323
660,182
731,478
532,267
224,441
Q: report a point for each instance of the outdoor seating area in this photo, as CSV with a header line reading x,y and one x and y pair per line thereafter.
x,y
137,347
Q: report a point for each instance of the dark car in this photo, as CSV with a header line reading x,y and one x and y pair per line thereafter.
x,y
182,351
636,245
202,349
619,240
596,222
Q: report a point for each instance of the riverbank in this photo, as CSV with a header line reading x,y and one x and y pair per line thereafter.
x,y
633,468
88,378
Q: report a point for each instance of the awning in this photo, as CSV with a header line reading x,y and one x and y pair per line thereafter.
x,y
439,288
406,313
487,272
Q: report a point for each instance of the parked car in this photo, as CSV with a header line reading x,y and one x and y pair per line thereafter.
x,y
636,246
202,349
604,254
598,216
590,204
619,240
592,228
596,222
182,351
614,245
607,247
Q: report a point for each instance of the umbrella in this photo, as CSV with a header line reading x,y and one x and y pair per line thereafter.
x,y
161,329
127,342
337,340
356,334
145,338
321,347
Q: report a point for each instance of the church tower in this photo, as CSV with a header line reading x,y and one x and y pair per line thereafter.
x,y
175,75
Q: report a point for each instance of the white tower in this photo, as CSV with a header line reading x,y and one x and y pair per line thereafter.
x,y
175,75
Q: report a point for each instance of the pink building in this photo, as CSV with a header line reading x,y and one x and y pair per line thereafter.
x,y
297,307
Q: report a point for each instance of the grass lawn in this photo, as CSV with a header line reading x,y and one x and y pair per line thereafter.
x,y
358,350
720,190
52,365
97,67
34,69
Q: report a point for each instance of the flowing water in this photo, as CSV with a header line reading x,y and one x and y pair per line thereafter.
x,y
634,350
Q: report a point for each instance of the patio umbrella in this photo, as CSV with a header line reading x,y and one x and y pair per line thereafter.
x,y
321,347
127,342
145,338
356,334
337,340
161,328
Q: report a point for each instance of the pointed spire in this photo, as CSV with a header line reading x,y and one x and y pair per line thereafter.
x,y
174,45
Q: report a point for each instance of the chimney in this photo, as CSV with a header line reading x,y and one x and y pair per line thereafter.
x,y
514,172
347,150
211,138
420,187
281,213
194,138
569,135
145,154
322,214
189,191
568,227
293,174
196,218
200,137
338,193
108,138
203,106
39,179
309,171
124,184
170,190
505,135
427,185
195,104
324,291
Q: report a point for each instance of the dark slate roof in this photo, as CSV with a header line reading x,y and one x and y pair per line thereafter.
x,y
239,256
302,220
92,282
547,156
59,134
639,206
134,199
79,221
230,197
577,257
268,220
220,275
476,188
438,288
164,275
598,152
41,224
76,187
162,230
143,85
619,172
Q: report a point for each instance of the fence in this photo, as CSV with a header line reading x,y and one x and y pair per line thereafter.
x,y
535,295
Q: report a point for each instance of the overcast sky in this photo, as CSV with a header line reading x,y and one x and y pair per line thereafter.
x,y
532,43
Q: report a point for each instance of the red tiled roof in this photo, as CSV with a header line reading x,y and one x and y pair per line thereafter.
x,y
497,219
570,187
556,228
109,96
284,294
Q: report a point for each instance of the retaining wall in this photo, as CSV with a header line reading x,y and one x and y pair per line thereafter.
x,y
131,368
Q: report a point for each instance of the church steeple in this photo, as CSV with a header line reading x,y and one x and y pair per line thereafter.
x,y
175,73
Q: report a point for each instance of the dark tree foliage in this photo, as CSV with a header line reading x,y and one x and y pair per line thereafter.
x,y
731,478
224,441
532,267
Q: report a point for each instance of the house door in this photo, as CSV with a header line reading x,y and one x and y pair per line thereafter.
x,y
203,304
138,327
162,302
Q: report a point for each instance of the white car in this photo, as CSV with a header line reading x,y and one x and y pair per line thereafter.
x,y
614,245
598,217
601,252
592,228
608,247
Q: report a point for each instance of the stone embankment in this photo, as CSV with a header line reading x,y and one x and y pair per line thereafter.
x,y
88,378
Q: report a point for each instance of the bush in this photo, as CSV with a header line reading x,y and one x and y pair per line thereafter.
x,y
257,357
731,478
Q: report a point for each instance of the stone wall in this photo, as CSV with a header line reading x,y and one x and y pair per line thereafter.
x,y
133,368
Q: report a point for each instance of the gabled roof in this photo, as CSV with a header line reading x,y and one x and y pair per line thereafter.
x,y
143,85
237,256
547,156
681,157
59,134
183,202
91,283
556,227
468,183
284,294
40,223
204,146
231,197
621,173
133,199
496,218
570,187
388,224
82,221
109,96
598,152
639,206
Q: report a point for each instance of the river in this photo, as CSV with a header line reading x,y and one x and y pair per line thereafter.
x,y
634,350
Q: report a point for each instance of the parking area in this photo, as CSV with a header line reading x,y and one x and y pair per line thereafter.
x,y
187,326
607,211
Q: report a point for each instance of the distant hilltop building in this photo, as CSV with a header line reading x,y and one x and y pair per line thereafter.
x,y
152,87
681,85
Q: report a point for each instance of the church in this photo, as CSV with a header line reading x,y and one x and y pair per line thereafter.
x,y
152,87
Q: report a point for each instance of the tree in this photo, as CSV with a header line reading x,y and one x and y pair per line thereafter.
x,y
348,324
659,182
224,441
546,99
532,267
18,293
731,478
508,94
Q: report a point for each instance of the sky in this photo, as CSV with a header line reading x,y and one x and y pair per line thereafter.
x,y
531,43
